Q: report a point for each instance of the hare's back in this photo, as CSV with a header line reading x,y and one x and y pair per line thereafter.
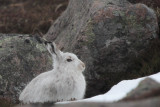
x,y
36,88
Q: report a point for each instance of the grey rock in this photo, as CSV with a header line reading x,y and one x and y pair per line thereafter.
x,y
21,59
108,35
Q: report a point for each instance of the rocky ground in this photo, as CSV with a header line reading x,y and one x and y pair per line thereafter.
x,y
116,39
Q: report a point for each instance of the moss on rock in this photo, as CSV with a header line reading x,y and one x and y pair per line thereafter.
x,y
89,32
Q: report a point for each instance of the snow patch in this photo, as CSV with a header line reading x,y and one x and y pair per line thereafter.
x,y
118,91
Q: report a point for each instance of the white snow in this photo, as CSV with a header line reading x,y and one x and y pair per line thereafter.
x,y
119,91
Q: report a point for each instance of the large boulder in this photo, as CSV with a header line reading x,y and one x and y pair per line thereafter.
x,y
109,36
21,59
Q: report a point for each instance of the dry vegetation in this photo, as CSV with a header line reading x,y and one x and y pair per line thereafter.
x,y
24,16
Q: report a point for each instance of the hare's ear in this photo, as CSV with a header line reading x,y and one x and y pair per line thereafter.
x,y
53,49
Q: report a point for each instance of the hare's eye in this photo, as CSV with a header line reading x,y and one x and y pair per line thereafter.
x,y
69,60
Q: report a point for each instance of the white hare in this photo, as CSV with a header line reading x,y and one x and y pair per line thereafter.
x,y
64,82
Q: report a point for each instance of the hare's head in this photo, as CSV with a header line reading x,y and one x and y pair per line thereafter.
x,y
64,61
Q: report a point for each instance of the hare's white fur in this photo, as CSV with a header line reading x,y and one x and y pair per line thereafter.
x,y
64,82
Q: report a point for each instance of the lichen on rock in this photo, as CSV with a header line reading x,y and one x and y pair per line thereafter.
x,y
21,58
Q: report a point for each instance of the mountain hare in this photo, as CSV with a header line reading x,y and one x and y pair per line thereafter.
x,y
64,82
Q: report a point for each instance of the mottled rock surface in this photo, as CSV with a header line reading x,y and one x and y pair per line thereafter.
x,y
109,36
154,4
21,59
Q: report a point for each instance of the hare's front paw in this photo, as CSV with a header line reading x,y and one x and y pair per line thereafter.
x,y
58,100
72,99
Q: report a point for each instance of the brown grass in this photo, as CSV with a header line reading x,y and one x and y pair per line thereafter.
x,y
24,16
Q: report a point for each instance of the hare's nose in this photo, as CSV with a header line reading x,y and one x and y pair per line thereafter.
x,y
83,65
